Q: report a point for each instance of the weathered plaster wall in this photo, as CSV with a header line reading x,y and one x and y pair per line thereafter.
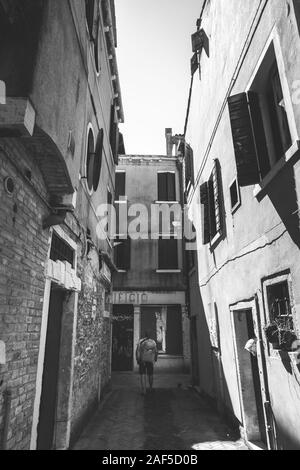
x,y
262,237
141,188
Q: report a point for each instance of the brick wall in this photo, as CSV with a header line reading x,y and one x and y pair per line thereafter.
x,y
92,350
23,251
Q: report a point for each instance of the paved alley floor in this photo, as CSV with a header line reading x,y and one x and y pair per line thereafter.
x,y
172,417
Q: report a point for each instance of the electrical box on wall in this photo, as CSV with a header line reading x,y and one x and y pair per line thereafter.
x,y
2,353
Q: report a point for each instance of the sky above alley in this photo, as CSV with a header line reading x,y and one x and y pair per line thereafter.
x,y
154,52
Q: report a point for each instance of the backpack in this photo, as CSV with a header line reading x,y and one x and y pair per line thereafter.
x,y
147,350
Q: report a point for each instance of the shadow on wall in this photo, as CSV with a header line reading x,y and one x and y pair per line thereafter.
x,y
283,195
207,367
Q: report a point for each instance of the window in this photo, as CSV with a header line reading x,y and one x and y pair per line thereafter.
x,y
114,134
189,166
90,160
167,253
61,251
98,160
89,13
122,253
259,123
212,207
279,304
281,329
166,187
120,185
235,197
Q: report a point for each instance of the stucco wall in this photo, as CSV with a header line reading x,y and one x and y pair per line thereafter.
x,y
262,237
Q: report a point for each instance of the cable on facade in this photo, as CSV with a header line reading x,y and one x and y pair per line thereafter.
x,y
240,62
242,256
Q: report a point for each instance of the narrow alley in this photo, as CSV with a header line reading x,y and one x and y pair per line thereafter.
x,y
171,417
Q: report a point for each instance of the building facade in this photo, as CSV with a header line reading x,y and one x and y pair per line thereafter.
x,y
149,286
59,114
244,125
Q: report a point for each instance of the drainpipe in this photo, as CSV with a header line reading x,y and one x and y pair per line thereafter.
x,y
7,394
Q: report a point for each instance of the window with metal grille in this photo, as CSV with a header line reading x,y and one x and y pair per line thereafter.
x,y
279,303
61,251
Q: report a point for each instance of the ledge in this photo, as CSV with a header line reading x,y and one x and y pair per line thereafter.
x,y
292,151
168,271
17,118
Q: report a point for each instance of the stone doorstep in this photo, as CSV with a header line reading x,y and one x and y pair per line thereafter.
x,y
255,445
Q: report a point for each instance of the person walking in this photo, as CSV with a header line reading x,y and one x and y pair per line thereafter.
x,y
146,354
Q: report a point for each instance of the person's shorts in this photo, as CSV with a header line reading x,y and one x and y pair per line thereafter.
x,y
146,368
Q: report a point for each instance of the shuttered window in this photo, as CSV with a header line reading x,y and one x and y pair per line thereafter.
x,y
120,185
204,199
211,198
90,160
167,253
89,12
189,166
259,124
166,187
114,134
98,160
243,140
122,253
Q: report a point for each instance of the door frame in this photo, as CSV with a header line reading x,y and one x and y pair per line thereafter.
x,y
252,305
67,352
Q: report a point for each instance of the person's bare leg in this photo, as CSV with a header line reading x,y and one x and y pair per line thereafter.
x,y
143,383
150,377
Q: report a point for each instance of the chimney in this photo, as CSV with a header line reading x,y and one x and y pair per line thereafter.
x,y
169,142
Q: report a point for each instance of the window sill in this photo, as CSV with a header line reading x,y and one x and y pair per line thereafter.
x,y
236,207
166,202
168,271
216,239
293,150
121,201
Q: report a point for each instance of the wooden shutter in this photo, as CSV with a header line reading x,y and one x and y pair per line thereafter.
x,y
189,165
98,160
162,186
114,134
122,253
120,185
127,254
167,253
259,133
171,190
243,140
90,160
89,11
204,199
216,198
